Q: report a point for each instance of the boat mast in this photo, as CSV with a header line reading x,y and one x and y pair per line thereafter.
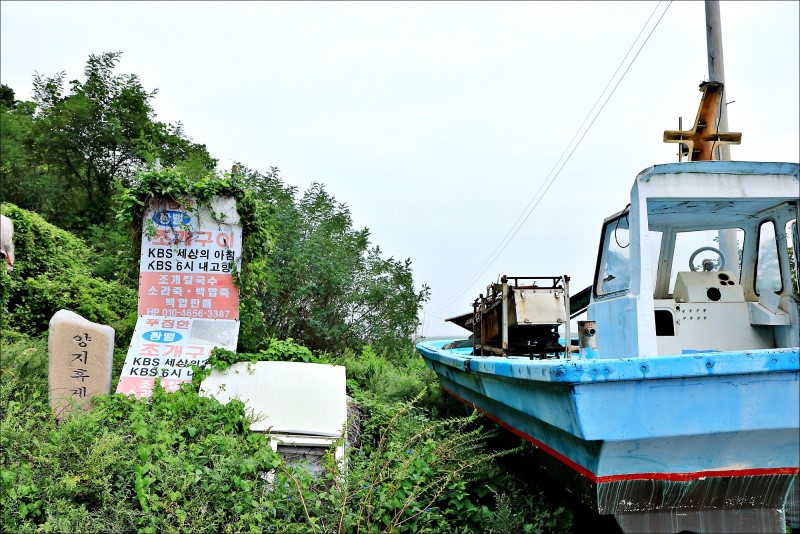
x,y
716,73
716,69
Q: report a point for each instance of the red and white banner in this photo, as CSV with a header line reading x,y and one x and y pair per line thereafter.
x,y
188,295
167,347
188,303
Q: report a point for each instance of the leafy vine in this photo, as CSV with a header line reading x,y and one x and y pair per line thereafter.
x,y
169,186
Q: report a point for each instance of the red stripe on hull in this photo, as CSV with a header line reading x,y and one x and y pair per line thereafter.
x,y
676,477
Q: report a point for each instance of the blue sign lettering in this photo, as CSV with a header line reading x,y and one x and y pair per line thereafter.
x,y
171,218
162,336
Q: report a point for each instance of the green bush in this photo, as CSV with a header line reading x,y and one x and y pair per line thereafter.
x,y
42,248
414,473
116,257
52,272
23,367
175,462
181,462
398,377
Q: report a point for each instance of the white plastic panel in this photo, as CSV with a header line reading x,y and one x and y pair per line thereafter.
x,y
720,326
759,314
291,397
695,286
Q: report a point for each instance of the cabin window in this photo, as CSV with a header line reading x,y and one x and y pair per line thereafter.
x,y
655,238
768,267
665,323
701,245
615,265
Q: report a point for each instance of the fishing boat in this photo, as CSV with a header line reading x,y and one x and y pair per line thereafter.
x,y
679,406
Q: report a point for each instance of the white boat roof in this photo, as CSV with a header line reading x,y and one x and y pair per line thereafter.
x,y
289,397
721,191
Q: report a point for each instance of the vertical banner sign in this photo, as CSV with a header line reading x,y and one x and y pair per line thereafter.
x,y
188,303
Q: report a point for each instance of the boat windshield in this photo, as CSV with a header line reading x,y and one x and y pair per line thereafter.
x,y
793,239
768,268
615,263
699,251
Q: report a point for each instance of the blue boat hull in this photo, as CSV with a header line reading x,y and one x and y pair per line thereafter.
x,y
703,442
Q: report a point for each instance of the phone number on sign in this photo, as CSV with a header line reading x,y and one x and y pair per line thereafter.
x,y
199,314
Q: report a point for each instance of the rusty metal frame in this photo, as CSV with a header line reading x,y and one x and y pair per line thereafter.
x,y
703,140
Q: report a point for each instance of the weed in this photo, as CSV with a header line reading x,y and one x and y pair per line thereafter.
x,y
180,462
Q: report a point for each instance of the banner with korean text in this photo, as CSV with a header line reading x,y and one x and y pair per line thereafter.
x,y
188,303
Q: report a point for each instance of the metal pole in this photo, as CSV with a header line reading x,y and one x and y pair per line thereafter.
x,y
474,325
716,73
483,322
505,315
567,332
716,68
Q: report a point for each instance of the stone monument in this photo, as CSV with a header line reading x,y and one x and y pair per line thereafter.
x,y
81,354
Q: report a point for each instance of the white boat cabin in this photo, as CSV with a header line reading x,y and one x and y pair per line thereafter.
x,y
703,259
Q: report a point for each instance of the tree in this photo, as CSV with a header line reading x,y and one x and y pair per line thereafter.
x,y
102,132
7,96
23,181
324,285
386,307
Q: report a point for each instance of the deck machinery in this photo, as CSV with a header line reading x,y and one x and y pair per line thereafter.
x,y
519,315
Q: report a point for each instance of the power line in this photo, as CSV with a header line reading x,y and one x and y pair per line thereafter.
x,y
534,202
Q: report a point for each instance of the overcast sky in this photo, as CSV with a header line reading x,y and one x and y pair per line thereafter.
x,y
438,124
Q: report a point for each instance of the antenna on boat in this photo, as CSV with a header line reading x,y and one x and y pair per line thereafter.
x,y
683,148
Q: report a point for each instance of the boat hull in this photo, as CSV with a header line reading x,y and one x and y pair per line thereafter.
x,y
705,442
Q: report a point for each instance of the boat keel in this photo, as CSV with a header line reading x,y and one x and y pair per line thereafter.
x,y
749,504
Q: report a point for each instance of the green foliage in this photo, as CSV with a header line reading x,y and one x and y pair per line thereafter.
x,y
174,185
50,273
24,180
390,377
323,284
115,253
182,462
312,289
413,473
176,462
519,510
386,308
286,350
7,96
66,153
23,373
280,350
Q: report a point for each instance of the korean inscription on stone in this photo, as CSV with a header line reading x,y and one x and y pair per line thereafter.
x,y
80,359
